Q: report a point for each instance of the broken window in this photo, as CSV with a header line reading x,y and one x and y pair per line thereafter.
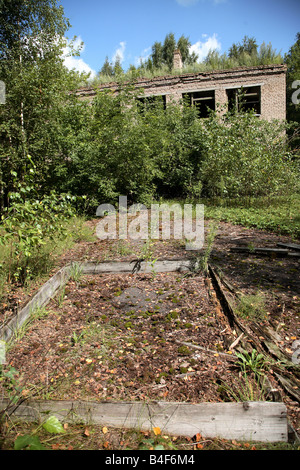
x,y
244,99
146,102
203,100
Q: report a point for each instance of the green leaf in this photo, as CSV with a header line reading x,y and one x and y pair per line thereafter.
x,y
159,447
53,425
28,441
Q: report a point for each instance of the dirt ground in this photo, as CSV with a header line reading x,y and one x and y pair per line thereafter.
x,y
123,336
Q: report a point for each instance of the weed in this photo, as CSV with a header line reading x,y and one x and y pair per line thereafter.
x,y
76,271
251,307
38,312
200,262
243,390
253,361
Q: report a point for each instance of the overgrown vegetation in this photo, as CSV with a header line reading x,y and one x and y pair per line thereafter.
x,y
62,157
160,61
162,153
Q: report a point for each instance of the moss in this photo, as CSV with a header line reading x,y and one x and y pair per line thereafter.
x,y
184,351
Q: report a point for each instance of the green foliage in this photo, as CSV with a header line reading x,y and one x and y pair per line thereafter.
x,y
10,383
276,214
53,425
28,442
121,145
254,362
30,221
246,157
31,62
200,263
32,441
292,61
246,53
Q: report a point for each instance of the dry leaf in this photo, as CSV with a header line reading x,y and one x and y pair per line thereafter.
x,y
86,432
156,431
104,430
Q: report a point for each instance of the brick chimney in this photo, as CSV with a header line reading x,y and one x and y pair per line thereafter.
x,y
177,61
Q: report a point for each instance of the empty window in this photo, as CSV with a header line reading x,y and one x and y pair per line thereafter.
x,y
244,99
203,100
146,102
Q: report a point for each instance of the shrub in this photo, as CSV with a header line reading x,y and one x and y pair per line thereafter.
x,y
29,222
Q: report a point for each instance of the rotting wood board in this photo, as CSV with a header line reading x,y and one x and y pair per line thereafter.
x,y
244,421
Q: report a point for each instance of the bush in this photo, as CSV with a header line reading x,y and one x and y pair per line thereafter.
x,y
246,157
29,222
120,147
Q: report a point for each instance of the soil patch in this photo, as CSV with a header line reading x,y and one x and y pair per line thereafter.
x,y
121,337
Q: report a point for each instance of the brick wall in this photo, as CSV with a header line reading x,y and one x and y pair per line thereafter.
x,y
270,79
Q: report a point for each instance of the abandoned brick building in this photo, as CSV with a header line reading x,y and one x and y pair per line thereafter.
x,y
263,89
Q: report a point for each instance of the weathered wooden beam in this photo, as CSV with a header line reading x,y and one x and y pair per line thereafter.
x,y
292,246
261,251
250,421
40,299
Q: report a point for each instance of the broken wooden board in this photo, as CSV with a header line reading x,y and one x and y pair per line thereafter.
x,y
245,421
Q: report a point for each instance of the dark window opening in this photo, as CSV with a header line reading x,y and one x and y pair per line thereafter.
x,y
244,99
148,102
203,100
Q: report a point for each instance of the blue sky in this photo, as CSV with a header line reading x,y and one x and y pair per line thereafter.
x,y
130,27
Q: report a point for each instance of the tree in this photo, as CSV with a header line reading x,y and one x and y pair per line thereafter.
x,y
168,49
248,46
107,68
184,44
37,84
117,68
163,54
157,54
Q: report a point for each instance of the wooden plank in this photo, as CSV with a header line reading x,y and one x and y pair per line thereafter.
x,y
250,421
292,246
261,251
41,298
127,266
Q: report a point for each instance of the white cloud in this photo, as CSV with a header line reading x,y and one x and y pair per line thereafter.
x,y
120,52
203,48
143,57
75,62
